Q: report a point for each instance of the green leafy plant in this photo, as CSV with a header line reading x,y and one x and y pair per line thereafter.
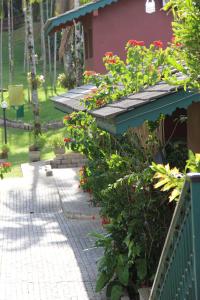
x,y
186,57
57,142
144,66
171,179
4,168
37,143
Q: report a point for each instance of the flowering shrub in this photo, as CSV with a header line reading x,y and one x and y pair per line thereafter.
x,y
4,168
119,177
135,215
186,58
144,66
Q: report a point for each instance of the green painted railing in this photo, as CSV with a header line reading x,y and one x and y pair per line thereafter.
x,y
178,273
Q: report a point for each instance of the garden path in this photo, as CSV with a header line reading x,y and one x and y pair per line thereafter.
x,y
44,255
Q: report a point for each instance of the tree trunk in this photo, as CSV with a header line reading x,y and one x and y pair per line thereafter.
x,y
1,50
10,44
32,63
55,61
43,46
78,48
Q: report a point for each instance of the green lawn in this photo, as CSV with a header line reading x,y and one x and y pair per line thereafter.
x,y
19,142
47,110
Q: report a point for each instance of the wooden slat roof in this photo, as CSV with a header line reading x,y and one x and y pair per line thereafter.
x,y
132,110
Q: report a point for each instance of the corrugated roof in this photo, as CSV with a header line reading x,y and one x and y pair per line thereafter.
x,y
61,21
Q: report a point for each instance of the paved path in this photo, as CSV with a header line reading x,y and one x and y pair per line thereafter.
x,y
43,255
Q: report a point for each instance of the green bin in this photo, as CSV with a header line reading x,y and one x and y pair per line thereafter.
x,y
20,112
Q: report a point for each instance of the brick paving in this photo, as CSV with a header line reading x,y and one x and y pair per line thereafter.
x,y
43,255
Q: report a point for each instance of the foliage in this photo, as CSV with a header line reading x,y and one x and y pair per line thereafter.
x,y
4,168
144,66
37,143
170,179
57,141
186,27
5,148
135,218
118,174
62,80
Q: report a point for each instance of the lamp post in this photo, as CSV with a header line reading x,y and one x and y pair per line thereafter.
x,y
4,106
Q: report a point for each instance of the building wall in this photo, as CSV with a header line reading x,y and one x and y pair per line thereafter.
x,y
115,24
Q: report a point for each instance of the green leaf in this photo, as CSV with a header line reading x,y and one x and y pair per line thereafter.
x,y
102,280
141,266
117,291
123,274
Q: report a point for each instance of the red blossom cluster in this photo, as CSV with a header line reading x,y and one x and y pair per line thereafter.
x,y
177,44
90,73
136,43
6,165
100,102
111,61
67,118
67,140
105,221
109,54
158,44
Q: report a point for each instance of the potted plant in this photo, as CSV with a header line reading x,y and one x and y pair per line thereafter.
x,y
35,149
58,145
4,151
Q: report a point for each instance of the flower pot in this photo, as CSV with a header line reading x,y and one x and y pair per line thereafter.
x,y
59,151
34,156
144,293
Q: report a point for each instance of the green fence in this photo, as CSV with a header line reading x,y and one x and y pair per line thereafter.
x,y
178,273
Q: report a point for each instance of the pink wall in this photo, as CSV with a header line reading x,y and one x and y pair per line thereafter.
x,y
124,20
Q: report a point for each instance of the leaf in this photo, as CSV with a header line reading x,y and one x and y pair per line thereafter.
x,y
141,266
117,291
102,280
123,274
175,194
161,183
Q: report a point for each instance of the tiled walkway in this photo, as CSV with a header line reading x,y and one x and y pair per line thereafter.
x,y
43,256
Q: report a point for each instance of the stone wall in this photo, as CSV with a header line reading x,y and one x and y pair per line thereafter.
x,y
68,160
29,127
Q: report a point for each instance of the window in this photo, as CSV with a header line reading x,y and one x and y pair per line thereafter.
x,y
88,35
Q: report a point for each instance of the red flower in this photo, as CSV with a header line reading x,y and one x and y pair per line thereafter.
x,y
177,44
105,221
109,54
6,165
66,118
136,43
67,140
158,44
111,61
100,102
89,73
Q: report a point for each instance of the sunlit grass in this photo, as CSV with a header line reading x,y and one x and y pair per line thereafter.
x,y
19,141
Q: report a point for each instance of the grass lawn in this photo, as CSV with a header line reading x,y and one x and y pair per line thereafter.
x,y
19,142
47,111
